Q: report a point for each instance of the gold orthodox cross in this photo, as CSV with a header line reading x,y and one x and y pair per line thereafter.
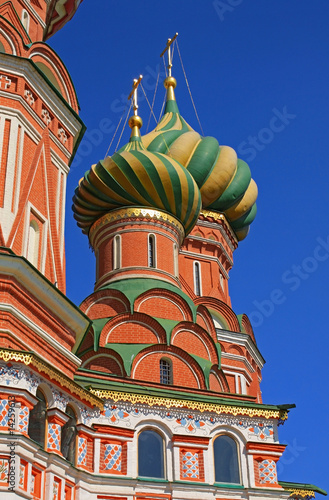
x,y
133,93
168,48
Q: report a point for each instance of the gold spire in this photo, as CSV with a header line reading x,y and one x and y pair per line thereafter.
x,y
135,122
170,82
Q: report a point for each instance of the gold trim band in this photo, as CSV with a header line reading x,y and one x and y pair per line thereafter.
x,y
148,213
31,359
192,405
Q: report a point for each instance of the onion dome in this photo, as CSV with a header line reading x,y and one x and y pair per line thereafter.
x,y
59,12
136,177
224,180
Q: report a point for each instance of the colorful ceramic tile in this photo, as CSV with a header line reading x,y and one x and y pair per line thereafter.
x,y
267,472
82,451
190,465
4,406
113,457
261,431
23,419
54,437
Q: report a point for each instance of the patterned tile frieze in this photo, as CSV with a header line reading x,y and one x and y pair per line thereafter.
x,y
20,377
184,421
261,431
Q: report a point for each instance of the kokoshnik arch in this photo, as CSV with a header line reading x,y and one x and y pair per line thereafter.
x,y
151,388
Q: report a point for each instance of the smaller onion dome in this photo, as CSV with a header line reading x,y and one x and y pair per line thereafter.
x,y
224,180
136,177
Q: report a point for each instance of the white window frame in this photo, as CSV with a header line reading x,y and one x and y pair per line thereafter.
x,y
34,212
197,283
117,253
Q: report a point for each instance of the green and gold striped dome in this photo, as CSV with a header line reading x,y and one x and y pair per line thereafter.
x,y
224,180
136,177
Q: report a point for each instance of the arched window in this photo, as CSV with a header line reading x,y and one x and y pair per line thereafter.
x,y
176,272
117,252
150,454
26,20
151,251
69,434
226,460
197,278
33,243
2,48
165,371
38,420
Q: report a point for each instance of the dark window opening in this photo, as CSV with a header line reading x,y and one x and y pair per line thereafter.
x,y
165,372
151,251
197,279
150,455
226,460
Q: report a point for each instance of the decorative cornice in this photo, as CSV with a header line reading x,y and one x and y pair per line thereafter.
x,y
192,405
137,213
301,491
219,216
30,359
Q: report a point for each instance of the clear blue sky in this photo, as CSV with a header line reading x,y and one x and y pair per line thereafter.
x,y
247,65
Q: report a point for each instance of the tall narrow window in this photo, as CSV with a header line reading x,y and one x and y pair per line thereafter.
x,y
26,20
150,454
38,419
176,272
117,252
69,434
197,279
165,372
221,281
33,243
151,251
226,460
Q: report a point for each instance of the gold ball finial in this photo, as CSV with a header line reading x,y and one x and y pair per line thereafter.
x,y
170,81
135,121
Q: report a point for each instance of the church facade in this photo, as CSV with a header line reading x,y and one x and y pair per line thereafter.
x,y
150,389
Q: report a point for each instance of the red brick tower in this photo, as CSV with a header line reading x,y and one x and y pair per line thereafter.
x,y
39,133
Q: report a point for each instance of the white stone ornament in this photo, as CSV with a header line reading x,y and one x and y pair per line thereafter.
x,y
5,82
29,97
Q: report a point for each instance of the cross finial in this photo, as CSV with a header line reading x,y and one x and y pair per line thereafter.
x,y
133,93
168,49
